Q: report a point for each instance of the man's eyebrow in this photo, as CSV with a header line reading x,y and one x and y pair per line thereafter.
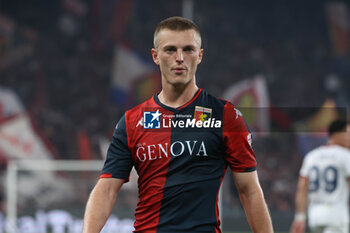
x,y
169,46
189,47
185,47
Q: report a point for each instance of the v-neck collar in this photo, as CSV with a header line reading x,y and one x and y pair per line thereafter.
x,y
156,99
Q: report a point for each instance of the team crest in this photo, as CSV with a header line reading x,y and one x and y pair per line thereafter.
x,y
202,113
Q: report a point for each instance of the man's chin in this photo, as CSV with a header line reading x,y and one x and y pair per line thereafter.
x,y
180,82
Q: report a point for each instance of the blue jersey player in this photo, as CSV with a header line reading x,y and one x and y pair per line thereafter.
x,y
180,142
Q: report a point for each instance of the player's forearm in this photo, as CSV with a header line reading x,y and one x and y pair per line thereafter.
x,y
96,214
98,209
257,212
300,203
299,223
301,196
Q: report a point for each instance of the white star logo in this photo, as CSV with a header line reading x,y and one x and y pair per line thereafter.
x,y
155,115
238,113
249,138
140,122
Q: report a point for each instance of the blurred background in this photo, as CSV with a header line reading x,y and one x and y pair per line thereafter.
x,y
70,68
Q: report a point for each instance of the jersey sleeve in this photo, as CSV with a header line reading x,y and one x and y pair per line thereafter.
x,y
347,164
305,166
118,162
237,141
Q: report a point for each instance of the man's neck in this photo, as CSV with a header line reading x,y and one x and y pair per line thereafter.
x,y
333,142
176,96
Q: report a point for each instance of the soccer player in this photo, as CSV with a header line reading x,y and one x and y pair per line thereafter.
x,y
324,183
180,142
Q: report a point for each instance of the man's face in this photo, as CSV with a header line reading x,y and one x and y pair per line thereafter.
x,y
177,53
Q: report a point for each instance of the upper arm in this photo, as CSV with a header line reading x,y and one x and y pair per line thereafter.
x,y
109,186
303,185
246,182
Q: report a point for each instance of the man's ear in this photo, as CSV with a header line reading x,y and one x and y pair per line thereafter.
x,y
200,56
155,56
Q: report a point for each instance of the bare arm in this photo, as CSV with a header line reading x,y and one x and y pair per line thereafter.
x,y
348,185
253,201
298,225
100,204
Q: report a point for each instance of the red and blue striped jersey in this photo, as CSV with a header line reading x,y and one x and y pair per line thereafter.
x,y
180,155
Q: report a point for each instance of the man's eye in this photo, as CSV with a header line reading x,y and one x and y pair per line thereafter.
x,y
170,49
189,49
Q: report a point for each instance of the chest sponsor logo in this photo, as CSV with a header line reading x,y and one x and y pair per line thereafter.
x,y
151,120
158,151
156,120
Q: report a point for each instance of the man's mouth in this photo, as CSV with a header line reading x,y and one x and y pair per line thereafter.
x,y
179,70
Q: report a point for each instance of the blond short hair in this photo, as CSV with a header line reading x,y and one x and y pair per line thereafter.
x,y
175,23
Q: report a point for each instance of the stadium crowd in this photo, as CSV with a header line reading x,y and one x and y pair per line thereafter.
x,y
58,58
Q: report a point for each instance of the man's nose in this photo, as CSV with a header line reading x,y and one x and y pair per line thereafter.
x,y
179,56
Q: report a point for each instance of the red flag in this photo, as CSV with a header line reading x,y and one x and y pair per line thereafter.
x,y
251,97
339,26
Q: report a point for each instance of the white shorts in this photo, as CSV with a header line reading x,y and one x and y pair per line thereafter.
x,y
344,228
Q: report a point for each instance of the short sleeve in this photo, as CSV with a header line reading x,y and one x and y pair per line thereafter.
x,y
347,164
237,141
118,162
305,167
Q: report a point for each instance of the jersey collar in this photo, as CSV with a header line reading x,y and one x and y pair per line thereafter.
x,y
156,99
